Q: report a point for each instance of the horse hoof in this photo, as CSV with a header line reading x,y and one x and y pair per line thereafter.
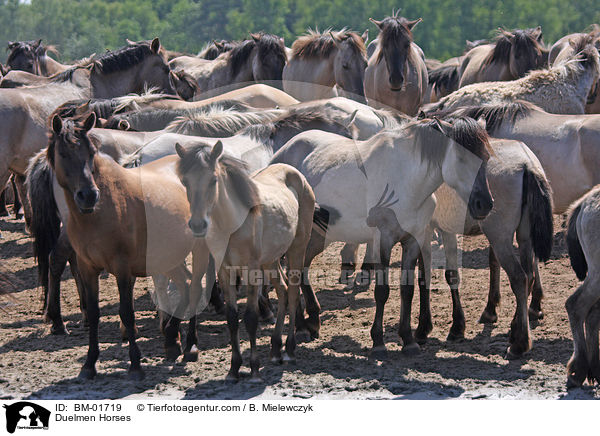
x,y
256,380
288,360
275,360
573,382
378,353
59,330
190,356
232,378
173,352
512,355
455,336
303,336
87,373
535,315
488,318
136,374
411,349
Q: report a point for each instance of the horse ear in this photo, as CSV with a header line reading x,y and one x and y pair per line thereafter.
x,y
37,43
350,125
482,123
413,23
219,45
255,36
129,41
365,36
89,122
180,150
335,39
216,152
537,33
155,45
377,23
57,124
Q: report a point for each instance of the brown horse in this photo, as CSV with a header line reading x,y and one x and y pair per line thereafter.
x,y
396,76
249,223
144,211
510,57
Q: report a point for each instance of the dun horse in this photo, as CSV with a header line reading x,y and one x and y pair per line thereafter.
x,y
396,76
381,191
249,223
321,62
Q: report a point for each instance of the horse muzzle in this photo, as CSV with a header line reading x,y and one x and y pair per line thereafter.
x,y
199,228
86,200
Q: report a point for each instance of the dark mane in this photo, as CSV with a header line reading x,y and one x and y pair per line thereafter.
x,y
523,40
317,45
445,77
72,128
393,30
463,130
270,46
240,54
211,51
494,115
123,58
233,169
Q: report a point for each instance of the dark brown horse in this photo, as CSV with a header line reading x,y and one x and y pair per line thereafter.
x,y
32,57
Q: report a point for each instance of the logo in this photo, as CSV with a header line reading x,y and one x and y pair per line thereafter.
x,y
26,415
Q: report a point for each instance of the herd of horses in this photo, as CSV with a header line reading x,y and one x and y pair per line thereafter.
x,y
254,157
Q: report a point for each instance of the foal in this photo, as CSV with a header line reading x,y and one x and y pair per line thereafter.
x,y
249,223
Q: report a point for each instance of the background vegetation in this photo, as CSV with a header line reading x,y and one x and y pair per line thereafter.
x,y
81,27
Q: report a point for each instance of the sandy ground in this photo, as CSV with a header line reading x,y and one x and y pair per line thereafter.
x,y
37,365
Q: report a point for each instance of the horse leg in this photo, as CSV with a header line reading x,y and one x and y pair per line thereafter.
x,y
425,325
592,324
3,209
216,295
489,315
251,323
265,308
365,275
410,254
382,293
457,331
231,308
312,325
200,265
537,293
57,263
578,307
349,254
125,283
89,279
21,199
171,327
519,338
80,288
281,288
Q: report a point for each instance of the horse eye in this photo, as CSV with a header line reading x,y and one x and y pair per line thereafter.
x,y
345,66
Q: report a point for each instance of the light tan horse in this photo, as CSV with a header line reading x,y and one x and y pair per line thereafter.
x,y
249,223
510,57
561,89
396,76
144,211
323,63
583,307
259,59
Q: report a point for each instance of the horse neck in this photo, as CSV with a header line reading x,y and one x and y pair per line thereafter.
x,y
114,84
49,66
228,213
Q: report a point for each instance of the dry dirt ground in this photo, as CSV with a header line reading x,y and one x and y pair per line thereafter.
x,y
37,365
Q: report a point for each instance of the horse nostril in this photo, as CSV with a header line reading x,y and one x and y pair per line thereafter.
x,y
478,205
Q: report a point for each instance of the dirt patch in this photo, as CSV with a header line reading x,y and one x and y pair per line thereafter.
x,y
35,364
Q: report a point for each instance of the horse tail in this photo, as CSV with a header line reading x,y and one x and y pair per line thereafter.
x,y
538,197
445,78
45,220
578,262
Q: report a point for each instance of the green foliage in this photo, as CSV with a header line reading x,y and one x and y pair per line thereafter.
x,y
81,27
